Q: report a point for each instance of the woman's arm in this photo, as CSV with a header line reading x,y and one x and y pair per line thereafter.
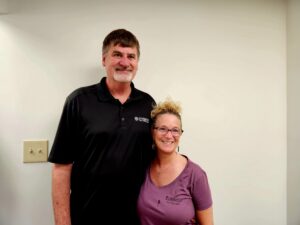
x,y
205,217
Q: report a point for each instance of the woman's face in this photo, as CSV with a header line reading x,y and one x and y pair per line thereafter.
x,y
166,133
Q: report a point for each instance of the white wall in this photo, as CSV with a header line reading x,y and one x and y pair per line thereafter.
x,y
225,62
3,6
293,109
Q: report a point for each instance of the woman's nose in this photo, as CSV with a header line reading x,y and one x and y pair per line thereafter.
x,y
169,133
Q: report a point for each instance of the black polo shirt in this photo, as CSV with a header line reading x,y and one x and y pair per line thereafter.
x,y
109,144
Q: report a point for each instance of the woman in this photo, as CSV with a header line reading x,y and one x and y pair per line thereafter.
x,y
176,190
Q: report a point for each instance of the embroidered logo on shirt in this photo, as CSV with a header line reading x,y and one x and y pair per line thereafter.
x,y
141,119
173,200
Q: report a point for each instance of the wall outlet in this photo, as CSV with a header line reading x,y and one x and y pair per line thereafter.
x,y
35,151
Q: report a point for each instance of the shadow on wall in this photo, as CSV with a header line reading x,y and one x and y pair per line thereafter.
x,y
7,198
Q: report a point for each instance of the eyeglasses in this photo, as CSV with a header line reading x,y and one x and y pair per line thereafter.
x,y
176,132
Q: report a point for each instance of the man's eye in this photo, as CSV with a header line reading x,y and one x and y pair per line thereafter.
x,y
117,54
131,56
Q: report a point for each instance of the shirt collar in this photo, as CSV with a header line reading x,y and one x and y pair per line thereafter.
x,y
104,94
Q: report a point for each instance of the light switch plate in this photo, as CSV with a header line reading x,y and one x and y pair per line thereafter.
x,y
35,151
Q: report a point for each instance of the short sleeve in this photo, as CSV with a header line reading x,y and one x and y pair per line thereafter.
x,y
65,144
200,189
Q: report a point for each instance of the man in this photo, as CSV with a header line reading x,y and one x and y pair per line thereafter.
x,y
103,143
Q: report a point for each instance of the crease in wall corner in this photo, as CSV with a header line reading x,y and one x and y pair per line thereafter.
x,y
3,7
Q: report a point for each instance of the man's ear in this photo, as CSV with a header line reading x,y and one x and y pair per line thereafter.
x,y
103,60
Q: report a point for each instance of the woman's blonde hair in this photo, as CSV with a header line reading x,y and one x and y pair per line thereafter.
x,y
166,107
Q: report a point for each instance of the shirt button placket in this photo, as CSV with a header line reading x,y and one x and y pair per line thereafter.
x,y
122,116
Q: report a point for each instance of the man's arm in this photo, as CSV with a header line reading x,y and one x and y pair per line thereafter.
x,y
61,175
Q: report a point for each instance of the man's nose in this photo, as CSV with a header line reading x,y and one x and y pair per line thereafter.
x,y
124,61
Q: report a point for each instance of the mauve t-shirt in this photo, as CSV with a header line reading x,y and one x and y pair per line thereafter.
x,y
175,203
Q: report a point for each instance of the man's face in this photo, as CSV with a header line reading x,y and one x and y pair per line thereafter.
x,y
121,63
